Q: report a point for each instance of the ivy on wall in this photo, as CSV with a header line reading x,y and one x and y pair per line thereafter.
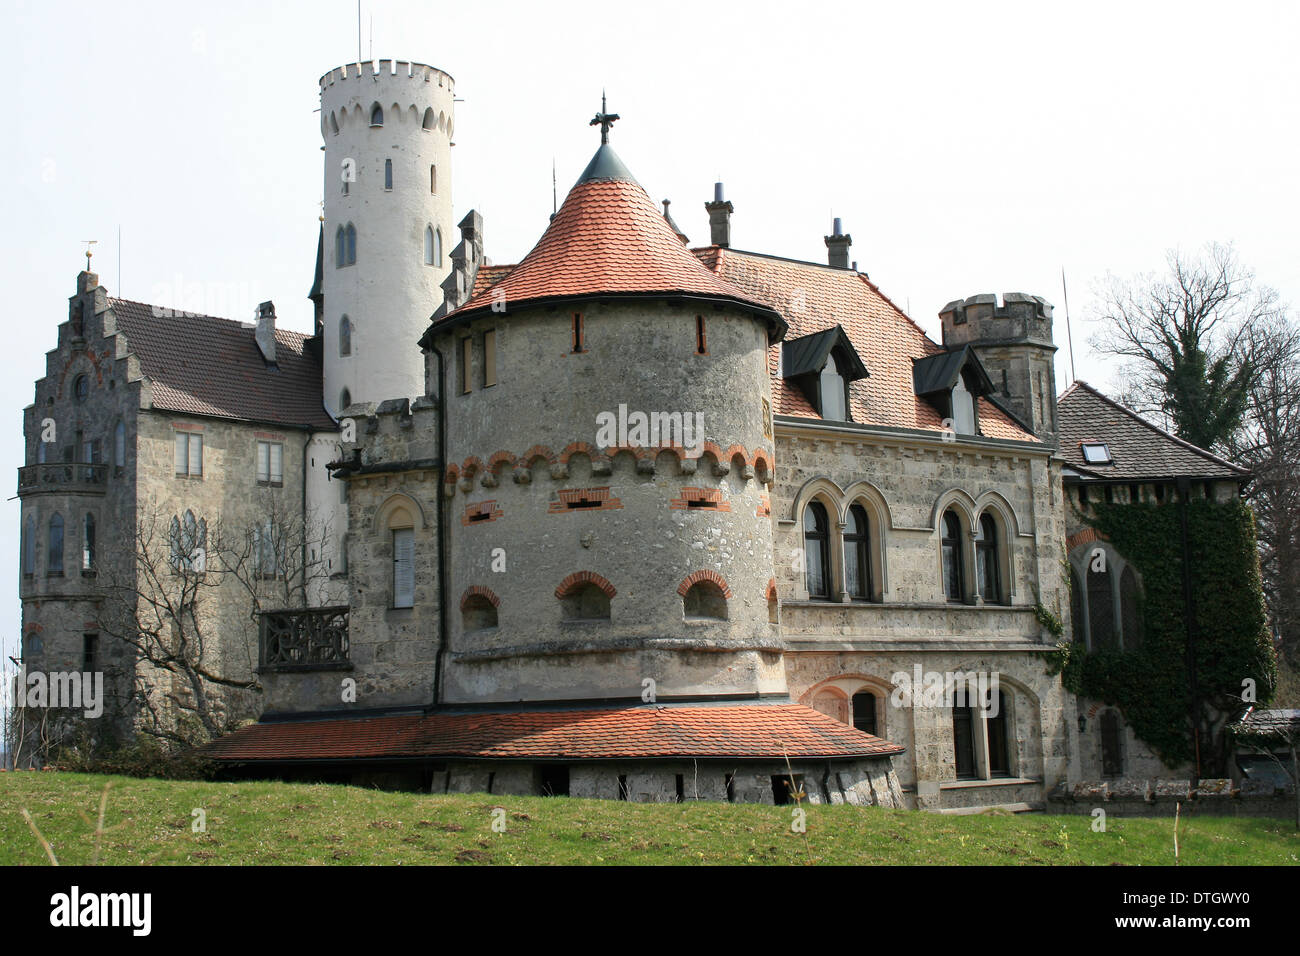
x,y
1149,683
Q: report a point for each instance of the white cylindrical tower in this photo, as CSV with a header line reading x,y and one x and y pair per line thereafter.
x,y
388,224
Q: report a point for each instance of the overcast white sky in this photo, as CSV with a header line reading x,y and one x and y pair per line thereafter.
x,y
975,147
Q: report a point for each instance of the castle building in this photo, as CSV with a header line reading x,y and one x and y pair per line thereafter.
x,y
626,519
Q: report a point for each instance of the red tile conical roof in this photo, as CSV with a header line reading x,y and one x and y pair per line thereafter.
x,y
609,239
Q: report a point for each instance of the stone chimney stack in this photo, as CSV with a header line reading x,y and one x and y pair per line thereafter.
x,y
719,218
265,333
837,246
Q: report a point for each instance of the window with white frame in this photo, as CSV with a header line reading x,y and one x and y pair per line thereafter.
x,y
403,567
270,463
189,454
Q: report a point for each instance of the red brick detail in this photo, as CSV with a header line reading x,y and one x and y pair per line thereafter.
x,y
770,593
706,499
537,451
583,499
187,427
471,467
501,459
581,447
453,473
764,506
640,451
695,577
477,590
481,513
1086,536
764,456
578,578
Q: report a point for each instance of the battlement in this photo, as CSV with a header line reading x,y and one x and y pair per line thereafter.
x,y
405,69
1015,305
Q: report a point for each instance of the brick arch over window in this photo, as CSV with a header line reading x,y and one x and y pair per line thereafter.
x,y
579,579
477,590
697,576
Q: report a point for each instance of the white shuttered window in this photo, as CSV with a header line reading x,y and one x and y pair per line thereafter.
x,y
404,567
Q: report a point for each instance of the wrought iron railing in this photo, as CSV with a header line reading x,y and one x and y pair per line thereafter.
x,y
301,639
64,476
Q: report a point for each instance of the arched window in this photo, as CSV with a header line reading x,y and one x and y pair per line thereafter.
x,y
1112,748
174,541
88,543
119,445
998,739
1078,628
29,546
376,115
833,390
1101,608
1128,607
817,551
351,232
340,248
345,336
345,399
986,560
586,603
437,247
54,560
864,712
857,555
430,121
705,601
478,612
388,174
953,577
428,245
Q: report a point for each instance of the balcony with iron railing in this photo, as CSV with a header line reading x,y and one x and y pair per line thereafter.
x,y
303,639
64,477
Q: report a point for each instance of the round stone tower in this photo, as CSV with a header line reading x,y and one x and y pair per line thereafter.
x,y
1014,341
387,224
608,467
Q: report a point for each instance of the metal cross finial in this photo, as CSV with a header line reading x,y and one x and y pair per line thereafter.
x,y
604,119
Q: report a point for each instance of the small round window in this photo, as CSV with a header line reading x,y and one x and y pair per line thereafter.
x,y
81,388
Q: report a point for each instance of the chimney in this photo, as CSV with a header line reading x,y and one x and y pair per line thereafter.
x,y
265,334
719,218
837,246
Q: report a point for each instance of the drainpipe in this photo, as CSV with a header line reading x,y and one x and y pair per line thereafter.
x,y
305,445
440,524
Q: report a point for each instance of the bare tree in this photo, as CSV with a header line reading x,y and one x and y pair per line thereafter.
x,y
185,600
1184,336
1265,733
1269,444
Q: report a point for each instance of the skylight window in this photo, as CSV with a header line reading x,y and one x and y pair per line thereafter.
x,y
1096,453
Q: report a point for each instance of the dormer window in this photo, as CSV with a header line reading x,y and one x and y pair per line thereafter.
x,y
1096,453
963,409
822,365
834,392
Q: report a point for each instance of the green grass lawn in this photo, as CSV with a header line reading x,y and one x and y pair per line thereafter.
x,y
151,821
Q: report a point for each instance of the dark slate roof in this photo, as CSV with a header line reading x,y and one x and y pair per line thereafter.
x,y
1138,449
202,365
605,165
807,354
938,373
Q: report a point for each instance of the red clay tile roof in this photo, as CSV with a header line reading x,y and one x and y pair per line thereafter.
x,y
813,297
608,238
202,365
487,277
1138,448
732,731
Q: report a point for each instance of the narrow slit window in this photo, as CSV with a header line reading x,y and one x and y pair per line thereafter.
x,y
388,174
489,358
701,342
578,335
433,180
404,567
